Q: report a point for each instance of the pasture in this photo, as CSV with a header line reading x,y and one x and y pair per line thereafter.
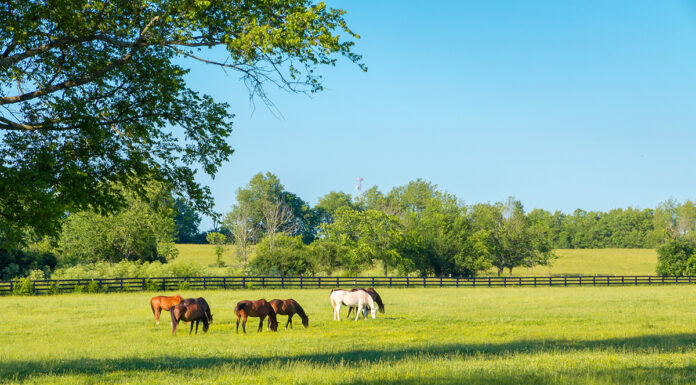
x,y
598,335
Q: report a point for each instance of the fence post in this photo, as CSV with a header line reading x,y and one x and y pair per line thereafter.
x,y
373,281
205,283
565,280
300,282
407,281
635,280
11,286
424,282
390,281
319,282
622,280
243,282
164,284
594,280
489,281
504,281
224,282
649,280
534,281
263,282
663,279
142,284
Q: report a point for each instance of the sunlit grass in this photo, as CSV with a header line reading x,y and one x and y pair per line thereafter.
x,y
614,335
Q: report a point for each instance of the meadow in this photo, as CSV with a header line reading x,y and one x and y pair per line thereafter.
x,y
570,261
598,335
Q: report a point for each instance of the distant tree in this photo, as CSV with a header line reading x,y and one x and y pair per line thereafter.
x,y
330,203
144,231
187,221
219,240
239,223
677,257
289,256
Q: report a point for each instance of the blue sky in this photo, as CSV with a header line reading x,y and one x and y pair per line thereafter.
x,y
563,105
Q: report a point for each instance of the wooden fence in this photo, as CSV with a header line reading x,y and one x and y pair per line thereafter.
x,y
204,283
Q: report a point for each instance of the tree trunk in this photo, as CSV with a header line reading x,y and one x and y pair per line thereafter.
x,y
385,269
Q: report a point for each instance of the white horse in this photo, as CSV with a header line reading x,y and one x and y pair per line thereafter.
x,y
360,299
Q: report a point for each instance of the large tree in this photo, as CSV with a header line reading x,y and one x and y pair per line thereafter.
x,y
93,94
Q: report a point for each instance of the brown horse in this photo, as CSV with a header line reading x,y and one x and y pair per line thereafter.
x,y
260,308
375,297
191,310
289,307
166,303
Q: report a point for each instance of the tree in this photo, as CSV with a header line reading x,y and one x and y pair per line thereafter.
x,y
290,256
219,241
143,231
187,221
677,257
239,222
330,203
365,237
93,95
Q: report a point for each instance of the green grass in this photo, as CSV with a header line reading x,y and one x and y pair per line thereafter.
x,y
595,261
570,261
622,335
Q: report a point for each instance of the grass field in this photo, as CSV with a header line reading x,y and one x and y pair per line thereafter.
x,y
570,261
621,335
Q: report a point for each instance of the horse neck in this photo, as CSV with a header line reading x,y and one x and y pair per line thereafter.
x,y
300,311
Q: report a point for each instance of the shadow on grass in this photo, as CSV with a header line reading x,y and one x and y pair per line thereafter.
x,y
20,370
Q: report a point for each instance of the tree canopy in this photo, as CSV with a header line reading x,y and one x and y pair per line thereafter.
x,y
93,95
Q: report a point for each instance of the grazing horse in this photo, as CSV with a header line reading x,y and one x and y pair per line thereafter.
x,y
260,308
375,297
288,307
191,310
358,298
166,303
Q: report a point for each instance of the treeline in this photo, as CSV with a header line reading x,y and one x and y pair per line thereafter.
x,y
411,229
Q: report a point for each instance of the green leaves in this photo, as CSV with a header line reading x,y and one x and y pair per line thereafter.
x,y
92,98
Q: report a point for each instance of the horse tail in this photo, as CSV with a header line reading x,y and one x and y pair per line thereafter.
x,y
240,306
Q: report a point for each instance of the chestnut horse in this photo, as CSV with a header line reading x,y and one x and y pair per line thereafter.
x,y
166,303
191,310
289,307
260,308
375,297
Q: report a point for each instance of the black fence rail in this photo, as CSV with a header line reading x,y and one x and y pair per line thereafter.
x,y
205,283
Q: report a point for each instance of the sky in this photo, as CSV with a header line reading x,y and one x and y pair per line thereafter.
x,y
563,105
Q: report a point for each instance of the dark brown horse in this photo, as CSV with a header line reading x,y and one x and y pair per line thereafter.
x,y
289,307
375,297
163,303
191,310
260,308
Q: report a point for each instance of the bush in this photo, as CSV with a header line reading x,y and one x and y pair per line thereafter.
x,y
126,269
677,257
184,285
20,263
79,288
290,256
53,288
24,287
93,287
151,285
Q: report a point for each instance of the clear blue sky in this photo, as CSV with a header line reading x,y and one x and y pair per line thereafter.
x,y
563,105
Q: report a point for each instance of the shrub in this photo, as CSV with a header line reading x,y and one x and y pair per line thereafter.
x,y
79,288
132,269
19,263
183,285
93,287
290,256
24,287
53,288
677,257
151,285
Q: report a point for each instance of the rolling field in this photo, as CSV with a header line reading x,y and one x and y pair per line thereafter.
x,y
570,261
618,335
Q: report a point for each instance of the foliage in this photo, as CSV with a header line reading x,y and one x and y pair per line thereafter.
x,y
183,285
364,237
187,221
94,94
93,287
132,269
677,257
23,287
19,263
289,256
219,241
143,231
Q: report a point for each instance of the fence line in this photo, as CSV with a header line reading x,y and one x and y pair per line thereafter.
x,y
174,283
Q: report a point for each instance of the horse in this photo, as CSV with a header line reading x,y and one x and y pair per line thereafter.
x,y
288,307
166,303
260,308
358,298
375,297
190,310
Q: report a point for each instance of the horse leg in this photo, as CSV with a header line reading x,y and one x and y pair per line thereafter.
x,y
263,317
197,321
244,323
237,323
337,308
157,314
289,322
357,313
350,309
191,329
